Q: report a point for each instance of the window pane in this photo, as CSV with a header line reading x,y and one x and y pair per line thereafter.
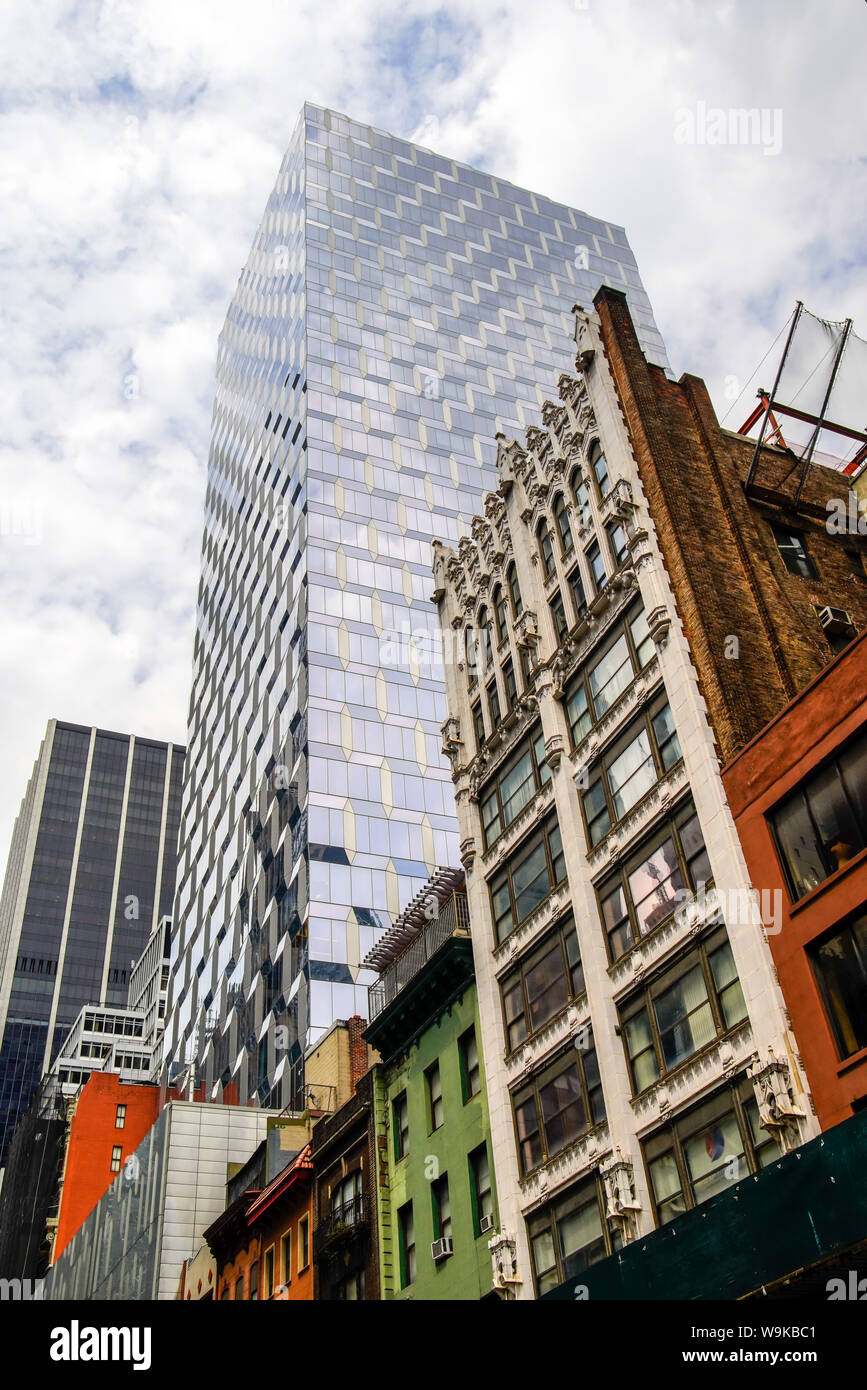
x,y
578,713
547,990
517,788
666,738
531,882
841,963
853,768
665,1181
684,1018
617,924
610,676
709,1153
800,850
840,837
642,639
563,1113
653,886
582,1240
631,775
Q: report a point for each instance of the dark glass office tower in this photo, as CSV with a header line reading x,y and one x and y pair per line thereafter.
x,y
397,309
91,869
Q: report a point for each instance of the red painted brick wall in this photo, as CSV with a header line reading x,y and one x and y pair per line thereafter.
x,y
93,1135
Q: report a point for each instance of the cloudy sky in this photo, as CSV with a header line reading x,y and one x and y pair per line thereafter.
x,y
139,140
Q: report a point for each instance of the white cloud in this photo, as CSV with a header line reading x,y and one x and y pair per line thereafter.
x,y
140,140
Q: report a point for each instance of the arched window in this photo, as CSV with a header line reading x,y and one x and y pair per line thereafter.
x,y
600,469
501,621
546,550
562,518
472,666
484,630
514,590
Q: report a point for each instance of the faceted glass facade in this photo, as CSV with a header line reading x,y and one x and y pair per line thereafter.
x,y
396,311
91,869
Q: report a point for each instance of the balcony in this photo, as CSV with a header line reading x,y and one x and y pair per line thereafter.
x,y
346,1222
452,919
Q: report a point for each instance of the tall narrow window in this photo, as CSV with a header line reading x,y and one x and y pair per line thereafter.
x,y
561,516
514,590
116,1158
442,1209
120,1117
597,566
471,1073
600,469
482,1195
500,619
406,1231
546,550
558,613
434,1096
494,706
400,1113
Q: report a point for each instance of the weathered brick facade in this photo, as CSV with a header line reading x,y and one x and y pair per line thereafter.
x,y
728,578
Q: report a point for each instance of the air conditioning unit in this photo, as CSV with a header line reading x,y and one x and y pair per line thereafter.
x,y
486,1224
836,621
441,1249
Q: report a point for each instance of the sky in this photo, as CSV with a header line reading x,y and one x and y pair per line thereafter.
x,y
139,141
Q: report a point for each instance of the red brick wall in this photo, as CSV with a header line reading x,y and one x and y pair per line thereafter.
x,y
92,1137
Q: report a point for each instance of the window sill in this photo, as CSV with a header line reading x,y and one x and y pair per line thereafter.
x,y
857,861
857,1059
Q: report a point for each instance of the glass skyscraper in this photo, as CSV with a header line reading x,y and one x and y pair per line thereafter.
x,y
396,311
91,870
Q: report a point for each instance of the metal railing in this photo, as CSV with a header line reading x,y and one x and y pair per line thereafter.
x,y
345,1219
453,918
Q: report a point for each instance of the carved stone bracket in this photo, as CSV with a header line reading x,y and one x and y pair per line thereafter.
x,y
504,1265
618,1180
778,1113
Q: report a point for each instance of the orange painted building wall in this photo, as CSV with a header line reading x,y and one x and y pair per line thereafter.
x,y
286,1219
93,1135
818,722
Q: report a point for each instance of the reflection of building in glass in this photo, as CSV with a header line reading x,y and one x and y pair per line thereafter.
x,y
91,870
639,1058
396,310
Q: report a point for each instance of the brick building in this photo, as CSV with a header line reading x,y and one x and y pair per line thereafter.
x,y
109,1119
756,563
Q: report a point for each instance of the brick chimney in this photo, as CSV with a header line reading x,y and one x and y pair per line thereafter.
x,y
358,1064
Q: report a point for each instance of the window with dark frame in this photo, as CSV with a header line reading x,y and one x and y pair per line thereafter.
x,y
120,1117
561,516
434,1090
686,1008
503,798
479,726
840,964
618,542
793,551
692,1159
481,1190
116,1158
286,1258
627,773
510,684
471,1072
557,1106
596,565
546,550
514,591
400,1120
442,1211
822,825
643,893
406,1237
570,1234
494,705
558,613
531,872
599,465
303,1243
501,621
544,982
579,597
582,497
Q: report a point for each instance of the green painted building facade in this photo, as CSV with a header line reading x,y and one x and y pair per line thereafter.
x,y
435,1183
